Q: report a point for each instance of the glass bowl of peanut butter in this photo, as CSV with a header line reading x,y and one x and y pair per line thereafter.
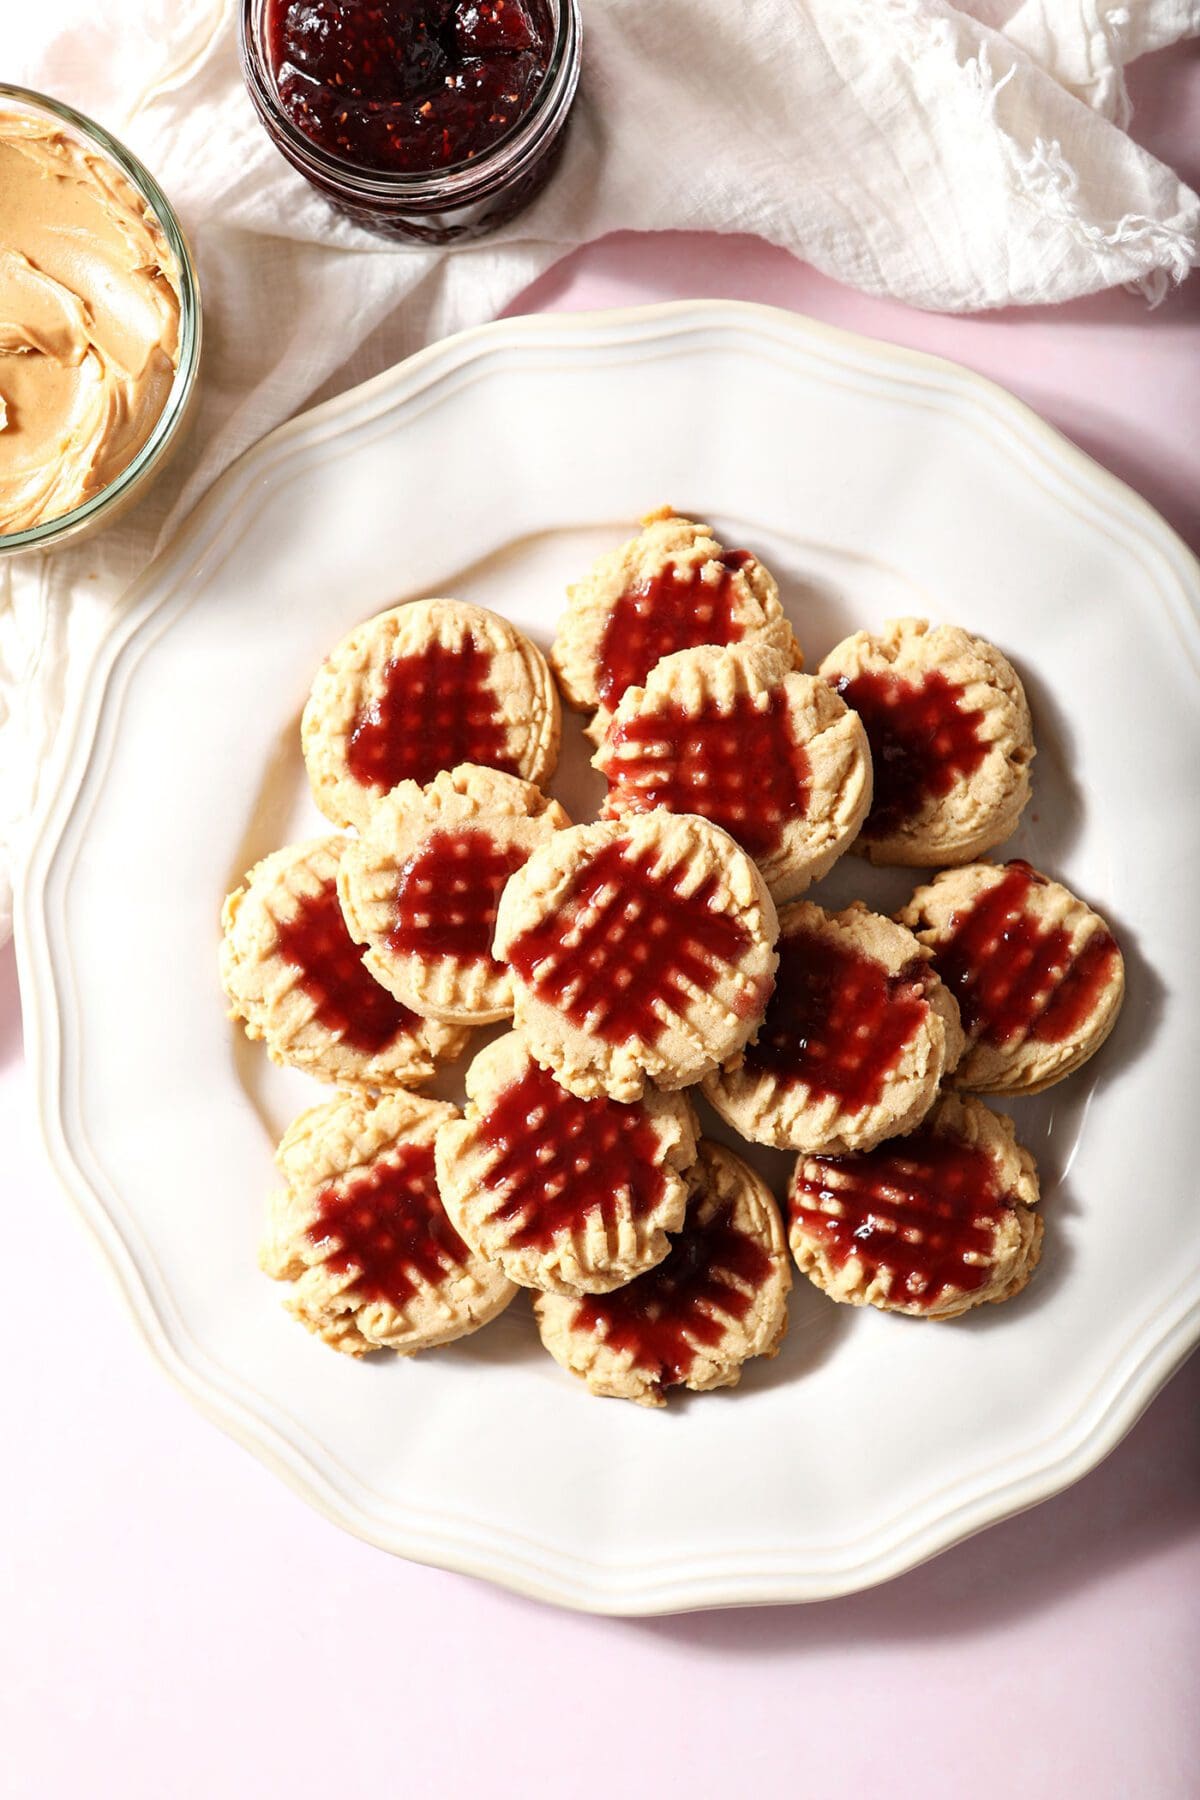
x,y
99,324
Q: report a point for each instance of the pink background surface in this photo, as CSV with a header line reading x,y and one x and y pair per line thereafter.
x,y
174,1622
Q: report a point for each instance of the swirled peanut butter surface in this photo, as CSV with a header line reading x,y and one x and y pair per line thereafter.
x,y
89,321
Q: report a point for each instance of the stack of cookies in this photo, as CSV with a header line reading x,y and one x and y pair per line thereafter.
x,y
653,961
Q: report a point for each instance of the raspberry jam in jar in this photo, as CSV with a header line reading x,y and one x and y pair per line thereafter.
x,y
426,119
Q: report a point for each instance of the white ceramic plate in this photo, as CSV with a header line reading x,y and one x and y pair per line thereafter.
x,y
493,466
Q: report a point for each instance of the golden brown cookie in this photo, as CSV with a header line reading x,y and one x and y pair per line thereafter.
x,y
1038,976
670,588
360,1232
951,740
716,1300
930,1224
421,886
641,950
571,1196
858,1035
733,733
423,688
294,977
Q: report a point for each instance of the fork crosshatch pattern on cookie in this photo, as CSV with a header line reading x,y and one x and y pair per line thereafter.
x,y
556,1160
666,1317
447,893
1013,976
674,609
567,1195
951,740
435,708
837,1020
933,1223
923,740
1038,976
387,1228
739,766
921,1207
628,944
717,1300
423,687
347,1000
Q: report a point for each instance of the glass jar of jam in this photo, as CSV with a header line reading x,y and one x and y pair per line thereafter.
x,y
426,119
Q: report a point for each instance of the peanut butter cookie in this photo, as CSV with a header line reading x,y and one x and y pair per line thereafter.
x,y
717,1299
1038,976
421,886
858,1035
773,757
295,978
567,1195
931,1224
641,950
360,1232
951,740
670,588
423,688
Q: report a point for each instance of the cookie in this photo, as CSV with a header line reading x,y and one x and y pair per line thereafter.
x,y
858,1035
423,688
736,735
717,1299
670,588
567,1195
294,977
360,1232
421,886
931,1224
641,950
951,740
1038,976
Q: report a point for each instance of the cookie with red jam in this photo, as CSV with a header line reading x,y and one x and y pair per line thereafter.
x,y
420,888
931,1224
360,1233
718,1299
295,979
738,736
422,688
858,1036
642,952
567,1195
1038,976
671,587
951,740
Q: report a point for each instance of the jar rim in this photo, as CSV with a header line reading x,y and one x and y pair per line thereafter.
x,y
435,187
49,531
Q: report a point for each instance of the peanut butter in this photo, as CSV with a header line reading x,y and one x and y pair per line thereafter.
x,y
89,321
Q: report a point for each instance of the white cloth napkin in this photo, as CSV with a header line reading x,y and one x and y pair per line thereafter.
x,y
956,156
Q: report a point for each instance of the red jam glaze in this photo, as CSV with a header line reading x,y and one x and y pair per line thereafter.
x,y
558,1159
673,610
919,1206
644,946
923,741
349,1002
741,768
837,1020
1013,977
388,1228
447,894
436,709
665,1317
407,86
